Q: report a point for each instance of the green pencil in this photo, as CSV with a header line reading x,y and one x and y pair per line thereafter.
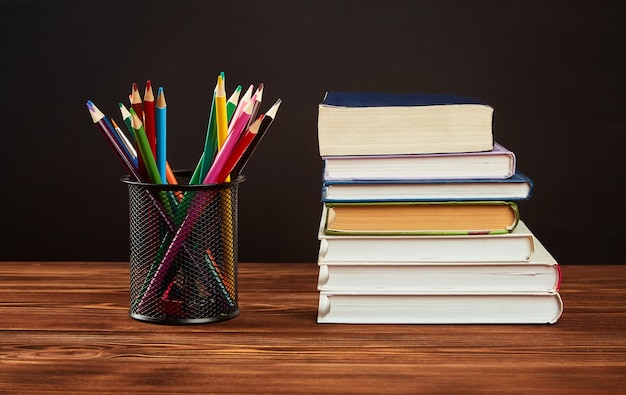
x,y
144,148
231,104
210,144
127,119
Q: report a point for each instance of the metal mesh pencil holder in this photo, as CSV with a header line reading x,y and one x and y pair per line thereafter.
x,y
183,251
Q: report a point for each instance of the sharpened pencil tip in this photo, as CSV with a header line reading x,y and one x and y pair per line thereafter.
x,y
135,97
274,109
137,124
259,92
220,90
148,95
160,100
96,114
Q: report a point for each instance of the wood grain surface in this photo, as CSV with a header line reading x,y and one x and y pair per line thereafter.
x,y
64,328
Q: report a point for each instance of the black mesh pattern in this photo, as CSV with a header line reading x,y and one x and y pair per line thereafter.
x,y
183,252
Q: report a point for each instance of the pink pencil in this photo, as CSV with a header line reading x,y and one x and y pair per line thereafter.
x,y
220,172
235,132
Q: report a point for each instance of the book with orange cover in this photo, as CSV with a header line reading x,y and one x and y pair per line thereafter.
x,y
414,218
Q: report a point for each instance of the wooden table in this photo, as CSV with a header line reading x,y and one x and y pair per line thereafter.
x,y
65,328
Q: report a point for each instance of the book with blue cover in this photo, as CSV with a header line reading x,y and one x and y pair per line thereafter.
x,y
363,123
516,187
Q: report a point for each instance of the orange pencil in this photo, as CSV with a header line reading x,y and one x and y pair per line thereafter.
x,y
171,179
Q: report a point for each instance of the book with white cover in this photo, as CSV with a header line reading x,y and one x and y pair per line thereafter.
x,y
368,308
540,274
498,163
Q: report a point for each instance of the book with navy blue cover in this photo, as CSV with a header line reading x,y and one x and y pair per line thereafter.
x,y
362,123
380,99
517,187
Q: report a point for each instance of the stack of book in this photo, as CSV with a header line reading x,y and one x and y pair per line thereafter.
x,y
420,222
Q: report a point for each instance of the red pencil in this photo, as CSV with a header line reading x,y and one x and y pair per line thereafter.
x,y
149,114
135,101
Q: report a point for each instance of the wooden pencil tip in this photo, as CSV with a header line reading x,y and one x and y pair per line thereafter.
x,y
96,114
160,100
137,124
134,97
259,92
254,128
220,89
274,109
124,111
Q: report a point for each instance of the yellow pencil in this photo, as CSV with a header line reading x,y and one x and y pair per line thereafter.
x,y
220,112
221,118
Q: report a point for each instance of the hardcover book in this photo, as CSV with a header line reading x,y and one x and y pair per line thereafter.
x,y
418,218
499,162
355,123
449,308
539,274
517,187
517,245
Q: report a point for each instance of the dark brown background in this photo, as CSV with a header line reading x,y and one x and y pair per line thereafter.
x,y
553,71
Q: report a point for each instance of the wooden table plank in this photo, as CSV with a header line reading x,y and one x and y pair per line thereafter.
x,y
65,328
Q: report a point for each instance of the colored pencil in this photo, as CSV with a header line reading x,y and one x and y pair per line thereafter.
x,y
144,148
269,117
135,104
161,133
235,132
243,101
231,103
220,113
210,146
257,98
149,123
135,101
127,119
126,142
238,126
100,120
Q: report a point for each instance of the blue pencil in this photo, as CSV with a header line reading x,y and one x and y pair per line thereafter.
x,y
161,134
